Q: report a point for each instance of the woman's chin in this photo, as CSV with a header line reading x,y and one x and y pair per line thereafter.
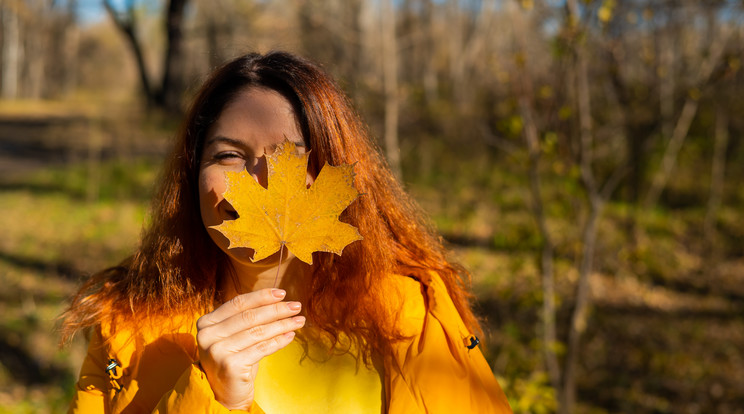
x,y
244,257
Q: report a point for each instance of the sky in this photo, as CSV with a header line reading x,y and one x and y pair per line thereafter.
x,y
90,11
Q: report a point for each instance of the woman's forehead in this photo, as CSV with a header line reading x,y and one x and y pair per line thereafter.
x,y
260,102
256,116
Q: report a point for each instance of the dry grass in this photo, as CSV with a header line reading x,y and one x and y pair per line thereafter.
x,y
664,335
52,237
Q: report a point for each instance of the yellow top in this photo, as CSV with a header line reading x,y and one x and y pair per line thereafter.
x,y
432,371
320,383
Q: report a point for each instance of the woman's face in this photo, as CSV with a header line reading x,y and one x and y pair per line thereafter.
x,y
250,126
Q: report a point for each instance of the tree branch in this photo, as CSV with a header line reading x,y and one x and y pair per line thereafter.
x,y
669,159
128,28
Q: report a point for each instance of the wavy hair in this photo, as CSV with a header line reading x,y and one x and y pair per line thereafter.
x,y
177,266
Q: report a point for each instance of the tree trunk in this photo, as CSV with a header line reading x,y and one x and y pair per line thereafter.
x,y
429,77
455,42
669,160
173,66
168,96
128,28
550,339
530,131
717,175
671,152
11,57
666,85
35,62
71,47
390,81
579,318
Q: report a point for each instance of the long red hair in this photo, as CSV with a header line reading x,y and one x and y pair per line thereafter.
x,y
177,267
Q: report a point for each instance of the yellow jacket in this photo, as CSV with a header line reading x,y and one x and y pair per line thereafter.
x,y
432,372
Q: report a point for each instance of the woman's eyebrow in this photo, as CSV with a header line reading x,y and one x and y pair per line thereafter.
x,y
298,142
227,140
236,142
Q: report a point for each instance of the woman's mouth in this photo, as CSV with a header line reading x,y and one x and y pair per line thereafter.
x,y
232,214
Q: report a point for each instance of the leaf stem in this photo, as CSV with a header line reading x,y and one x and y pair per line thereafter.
x,y
278,268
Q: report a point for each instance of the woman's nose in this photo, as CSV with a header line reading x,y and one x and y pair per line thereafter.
x,y
259,171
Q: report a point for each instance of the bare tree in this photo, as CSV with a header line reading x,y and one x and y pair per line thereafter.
x,y
669,159
35,33
532,139
717,174
469,35
168,94
11,42
390,82
597,196
667,82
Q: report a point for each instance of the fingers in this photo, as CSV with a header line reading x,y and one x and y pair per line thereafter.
x,y
240,303
259,337
235,336
250,319
236,364
246,320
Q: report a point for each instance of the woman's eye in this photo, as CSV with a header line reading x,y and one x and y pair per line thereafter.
x,y
223,156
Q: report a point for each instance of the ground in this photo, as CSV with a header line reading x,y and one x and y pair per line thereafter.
x,y
665,334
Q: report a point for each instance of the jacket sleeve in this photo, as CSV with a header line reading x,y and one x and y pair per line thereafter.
x,y
193,394
91,389
94,392
434,371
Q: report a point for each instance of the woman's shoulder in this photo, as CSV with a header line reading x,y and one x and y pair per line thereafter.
x,y
412,298
124,335
140,363
404,296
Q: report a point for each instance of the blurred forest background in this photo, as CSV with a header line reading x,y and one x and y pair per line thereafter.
x,y
583,158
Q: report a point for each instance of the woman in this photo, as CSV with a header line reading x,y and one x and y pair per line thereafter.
x,y
188,325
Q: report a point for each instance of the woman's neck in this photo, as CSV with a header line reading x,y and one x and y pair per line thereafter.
x,y
290,275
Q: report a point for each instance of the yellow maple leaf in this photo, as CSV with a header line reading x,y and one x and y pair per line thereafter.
x,y
287,212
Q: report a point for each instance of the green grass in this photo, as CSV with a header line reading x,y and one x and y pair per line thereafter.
x,y
678,333
649,346
54,235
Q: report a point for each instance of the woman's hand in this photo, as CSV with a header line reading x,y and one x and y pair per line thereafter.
x,y
236,336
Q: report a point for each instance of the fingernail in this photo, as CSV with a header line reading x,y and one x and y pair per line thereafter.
x,y
294,306
299,320
278,293
289,335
